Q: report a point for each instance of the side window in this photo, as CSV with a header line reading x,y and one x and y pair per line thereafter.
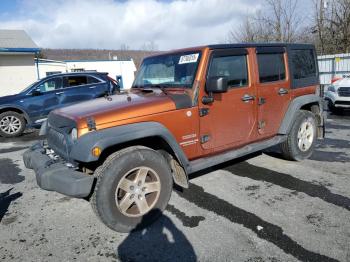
x,y
50,85
76,81
233,67
271,67
93,80
304,63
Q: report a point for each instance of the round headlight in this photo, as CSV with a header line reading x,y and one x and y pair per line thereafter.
x,y
74,134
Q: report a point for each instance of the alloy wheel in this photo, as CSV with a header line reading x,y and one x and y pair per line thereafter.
x,y
10,124
138,191
305,135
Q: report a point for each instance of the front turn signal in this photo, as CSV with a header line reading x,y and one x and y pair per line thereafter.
x,y
96,151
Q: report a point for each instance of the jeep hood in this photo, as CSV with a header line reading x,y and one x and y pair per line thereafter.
x,y
122,106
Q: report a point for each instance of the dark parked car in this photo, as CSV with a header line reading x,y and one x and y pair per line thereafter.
x,y
31,106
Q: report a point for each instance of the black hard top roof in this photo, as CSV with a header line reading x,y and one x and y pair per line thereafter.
x,y
246,45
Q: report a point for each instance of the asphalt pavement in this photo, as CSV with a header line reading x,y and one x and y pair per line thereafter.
x,y
259,208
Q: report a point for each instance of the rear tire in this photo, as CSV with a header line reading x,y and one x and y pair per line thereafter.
x,y
301,138
133,187
12,124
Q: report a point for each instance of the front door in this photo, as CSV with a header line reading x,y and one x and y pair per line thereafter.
x,y
42,99
230,120
273,89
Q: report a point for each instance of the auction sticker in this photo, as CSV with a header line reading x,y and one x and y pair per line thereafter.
x,y
186,59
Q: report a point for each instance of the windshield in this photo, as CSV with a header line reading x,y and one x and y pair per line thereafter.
x,y
29,87
171,70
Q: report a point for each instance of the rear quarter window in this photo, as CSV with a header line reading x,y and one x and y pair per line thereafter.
x,y
304,63
93,80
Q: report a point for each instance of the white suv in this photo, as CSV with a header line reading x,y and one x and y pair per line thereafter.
x,y
338,94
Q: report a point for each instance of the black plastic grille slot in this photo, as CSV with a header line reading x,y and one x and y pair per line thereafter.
x,y
344,91
58,142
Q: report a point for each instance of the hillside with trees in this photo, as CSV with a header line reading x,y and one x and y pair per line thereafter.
x,y
326,24
96,54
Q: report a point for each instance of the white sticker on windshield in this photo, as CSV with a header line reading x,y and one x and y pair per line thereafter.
x,y
186,59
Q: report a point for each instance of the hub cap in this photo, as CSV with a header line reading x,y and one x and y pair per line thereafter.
x,y
137,192
10,124
305,135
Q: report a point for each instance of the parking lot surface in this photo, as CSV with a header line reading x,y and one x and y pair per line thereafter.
x,y
260,208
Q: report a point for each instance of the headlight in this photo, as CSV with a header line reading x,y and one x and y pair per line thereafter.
x,y
74,134
331,89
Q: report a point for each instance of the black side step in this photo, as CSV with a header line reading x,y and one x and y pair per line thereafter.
x,y
206,162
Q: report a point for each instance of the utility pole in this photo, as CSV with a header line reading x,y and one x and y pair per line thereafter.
x,y
323,5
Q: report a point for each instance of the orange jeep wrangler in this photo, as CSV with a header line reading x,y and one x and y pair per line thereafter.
x,y
187,110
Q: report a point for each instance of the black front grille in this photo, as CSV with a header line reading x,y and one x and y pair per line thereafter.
x,y
58,134
344,91
59,142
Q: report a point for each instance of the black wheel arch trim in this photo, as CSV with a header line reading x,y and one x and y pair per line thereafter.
x,y
9,106
81,150
296,104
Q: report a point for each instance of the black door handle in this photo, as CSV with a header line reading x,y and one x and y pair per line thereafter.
x,y
282,91
246,98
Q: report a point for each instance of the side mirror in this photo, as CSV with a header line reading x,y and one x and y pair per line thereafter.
x,y
216,84
36,92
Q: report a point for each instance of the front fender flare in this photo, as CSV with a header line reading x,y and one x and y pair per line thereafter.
x,y
81,150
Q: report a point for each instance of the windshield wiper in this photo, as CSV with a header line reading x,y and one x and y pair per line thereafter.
x,y
161,87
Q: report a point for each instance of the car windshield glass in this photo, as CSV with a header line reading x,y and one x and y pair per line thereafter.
x,y
171,70
29,87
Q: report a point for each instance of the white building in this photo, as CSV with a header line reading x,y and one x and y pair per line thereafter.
x,y
17,67
333,66
124,71
48,67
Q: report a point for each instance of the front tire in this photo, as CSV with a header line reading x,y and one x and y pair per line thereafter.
x,y
12,124
133,187
301,139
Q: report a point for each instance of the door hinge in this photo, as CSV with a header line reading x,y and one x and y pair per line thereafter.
x,y
203,111
261,124
205,139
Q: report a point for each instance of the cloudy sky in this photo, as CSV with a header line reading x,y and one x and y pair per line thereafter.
x,y
108,24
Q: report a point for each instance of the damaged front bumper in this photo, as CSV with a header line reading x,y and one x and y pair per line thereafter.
x,y
55,175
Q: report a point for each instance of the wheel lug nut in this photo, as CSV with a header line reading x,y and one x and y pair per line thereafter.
x,y
144,189
140,197
131,187
139,183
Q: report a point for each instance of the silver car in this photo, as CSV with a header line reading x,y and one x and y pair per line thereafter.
x,y
338,94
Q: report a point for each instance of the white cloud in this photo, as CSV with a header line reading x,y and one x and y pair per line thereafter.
x,y
109,24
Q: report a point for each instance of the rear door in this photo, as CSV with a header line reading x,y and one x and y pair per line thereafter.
x,y
273,89
230,120
78,88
